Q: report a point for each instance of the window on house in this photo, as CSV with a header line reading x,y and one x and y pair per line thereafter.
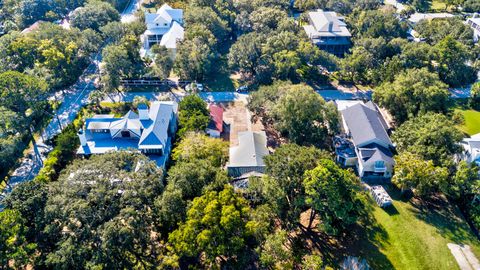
x,y
379,164
125,134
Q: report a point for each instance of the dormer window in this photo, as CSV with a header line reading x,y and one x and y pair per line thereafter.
x,y
157,24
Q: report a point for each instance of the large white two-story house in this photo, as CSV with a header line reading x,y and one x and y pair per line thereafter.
x,y
165,27
150,131
365,143
328,31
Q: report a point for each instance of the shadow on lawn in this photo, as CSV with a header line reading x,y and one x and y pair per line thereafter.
x,y
391,210
368,237
363,240
445,217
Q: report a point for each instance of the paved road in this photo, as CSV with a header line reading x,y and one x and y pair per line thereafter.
x,y
340,95
152,96
72,101
233,96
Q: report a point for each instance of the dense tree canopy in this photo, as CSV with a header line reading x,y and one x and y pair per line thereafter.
x,y
218,227
106,207
413,92
14,248
376,23
94,15
452,57
296,111
334,194
286,168
436,30
163,62
431,136
412,172
194,115
199,146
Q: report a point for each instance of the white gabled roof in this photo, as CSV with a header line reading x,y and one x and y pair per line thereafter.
x,y
156,132
169,12
163,17
326,23
417,17
176,33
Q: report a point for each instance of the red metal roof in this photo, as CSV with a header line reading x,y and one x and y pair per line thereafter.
x,y
216,116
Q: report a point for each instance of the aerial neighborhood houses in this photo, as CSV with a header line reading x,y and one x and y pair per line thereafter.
x,y
150,131
165,28
328,31
364,144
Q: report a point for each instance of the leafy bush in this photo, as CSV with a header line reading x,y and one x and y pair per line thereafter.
x,y
61,155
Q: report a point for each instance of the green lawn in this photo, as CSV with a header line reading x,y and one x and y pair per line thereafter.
x,y
472,121
438,6
412,235
221,82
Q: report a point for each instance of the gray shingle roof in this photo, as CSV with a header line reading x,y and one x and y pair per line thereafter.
x,y
365,125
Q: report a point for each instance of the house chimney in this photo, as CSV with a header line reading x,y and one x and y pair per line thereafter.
x,y
82,137
143,112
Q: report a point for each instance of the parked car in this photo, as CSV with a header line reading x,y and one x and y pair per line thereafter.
x,y
242,88
194,87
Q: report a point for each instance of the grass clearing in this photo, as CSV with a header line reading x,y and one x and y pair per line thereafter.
x,y
221,82
438,6
471,125
413,235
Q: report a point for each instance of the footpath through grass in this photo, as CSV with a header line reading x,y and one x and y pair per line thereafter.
x,y
414,235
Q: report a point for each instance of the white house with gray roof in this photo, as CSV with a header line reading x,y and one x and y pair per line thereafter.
x,y
328,31
150,131
165,27
372,149
247,157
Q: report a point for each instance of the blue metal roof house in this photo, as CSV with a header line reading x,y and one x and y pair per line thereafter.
x,y
150,131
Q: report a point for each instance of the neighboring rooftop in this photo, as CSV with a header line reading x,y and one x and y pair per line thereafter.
x,y
164,27
32,27
326,24
148,131
417,17
216,118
